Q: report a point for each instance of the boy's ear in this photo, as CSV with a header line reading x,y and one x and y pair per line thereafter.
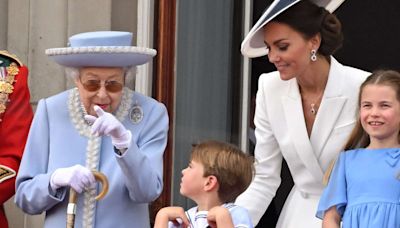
x,y
211,183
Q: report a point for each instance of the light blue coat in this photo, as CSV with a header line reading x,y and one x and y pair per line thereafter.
x,y
136,177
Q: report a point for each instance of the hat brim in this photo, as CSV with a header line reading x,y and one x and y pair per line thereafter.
x,y
101,56
253,44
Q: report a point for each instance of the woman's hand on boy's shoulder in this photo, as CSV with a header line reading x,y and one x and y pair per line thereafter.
x,y
175,215
219,217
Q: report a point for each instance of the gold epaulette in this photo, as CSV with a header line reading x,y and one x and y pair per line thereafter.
x,y
11,56
7,79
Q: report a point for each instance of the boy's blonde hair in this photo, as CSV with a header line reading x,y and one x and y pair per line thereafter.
x,y
233,169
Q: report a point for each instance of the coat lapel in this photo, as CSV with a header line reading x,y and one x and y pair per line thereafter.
x,y
331,106
293,111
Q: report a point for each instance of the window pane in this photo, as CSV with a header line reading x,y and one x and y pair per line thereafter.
x,y
207,79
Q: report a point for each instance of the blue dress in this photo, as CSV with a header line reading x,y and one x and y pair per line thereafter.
x,y
365,188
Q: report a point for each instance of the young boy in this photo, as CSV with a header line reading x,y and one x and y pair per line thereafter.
x,y
217,173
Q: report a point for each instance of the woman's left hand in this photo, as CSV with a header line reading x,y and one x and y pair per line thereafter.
x,y
107,124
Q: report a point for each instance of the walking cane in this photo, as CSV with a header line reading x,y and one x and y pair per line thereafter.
x,y
71,210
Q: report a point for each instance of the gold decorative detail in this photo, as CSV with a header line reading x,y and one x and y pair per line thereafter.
x,y
2,108
6,87
6,173
10,79
7,79
12,69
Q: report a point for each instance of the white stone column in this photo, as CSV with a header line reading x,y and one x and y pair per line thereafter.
x,y
246,84
145,38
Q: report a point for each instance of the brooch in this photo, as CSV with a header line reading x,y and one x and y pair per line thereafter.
x,y
136,114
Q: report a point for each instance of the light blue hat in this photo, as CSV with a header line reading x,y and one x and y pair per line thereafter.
x,y
253,44
101,49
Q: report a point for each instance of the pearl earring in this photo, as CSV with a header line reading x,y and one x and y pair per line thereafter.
x,y
313,55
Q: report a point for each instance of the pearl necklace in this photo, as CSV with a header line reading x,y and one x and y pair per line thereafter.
x,y
77,112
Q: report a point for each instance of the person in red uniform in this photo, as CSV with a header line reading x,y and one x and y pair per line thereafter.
x,y
15,119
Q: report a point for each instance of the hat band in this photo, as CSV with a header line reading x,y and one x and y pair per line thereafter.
x,y
100,49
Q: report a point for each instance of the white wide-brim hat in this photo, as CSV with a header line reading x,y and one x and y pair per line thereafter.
x,y
253,44
101,49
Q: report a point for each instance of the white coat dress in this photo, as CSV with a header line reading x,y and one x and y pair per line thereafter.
x,y
281,133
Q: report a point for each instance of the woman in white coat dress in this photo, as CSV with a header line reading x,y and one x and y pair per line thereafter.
x,y
304,111
98,125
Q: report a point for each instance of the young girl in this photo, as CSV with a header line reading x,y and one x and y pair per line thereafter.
x,y
364,188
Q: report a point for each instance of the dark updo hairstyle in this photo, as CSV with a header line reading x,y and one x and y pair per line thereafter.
x,y
309,19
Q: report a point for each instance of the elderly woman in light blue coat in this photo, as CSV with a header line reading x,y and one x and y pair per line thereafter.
x,y
98,125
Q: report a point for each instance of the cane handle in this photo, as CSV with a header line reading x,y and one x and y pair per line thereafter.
x,y
100,178
104,184
73,197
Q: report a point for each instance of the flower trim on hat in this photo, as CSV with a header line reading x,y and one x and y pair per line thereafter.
x,y
100,49
7,79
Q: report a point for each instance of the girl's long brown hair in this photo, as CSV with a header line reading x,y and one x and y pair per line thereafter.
x,y
358,137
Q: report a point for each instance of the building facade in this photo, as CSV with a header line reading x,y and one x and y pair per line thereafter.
x,y
199,73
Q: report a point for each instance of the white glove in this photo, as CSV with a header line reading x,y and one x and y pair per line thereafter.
x,y
107,124
77,177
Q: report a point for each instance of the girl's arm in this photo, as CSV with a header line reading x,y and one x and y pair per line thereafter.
x,y
331,218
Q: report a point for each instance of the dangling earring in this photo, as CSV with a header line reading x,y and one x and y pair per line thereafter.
x,y
313,55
